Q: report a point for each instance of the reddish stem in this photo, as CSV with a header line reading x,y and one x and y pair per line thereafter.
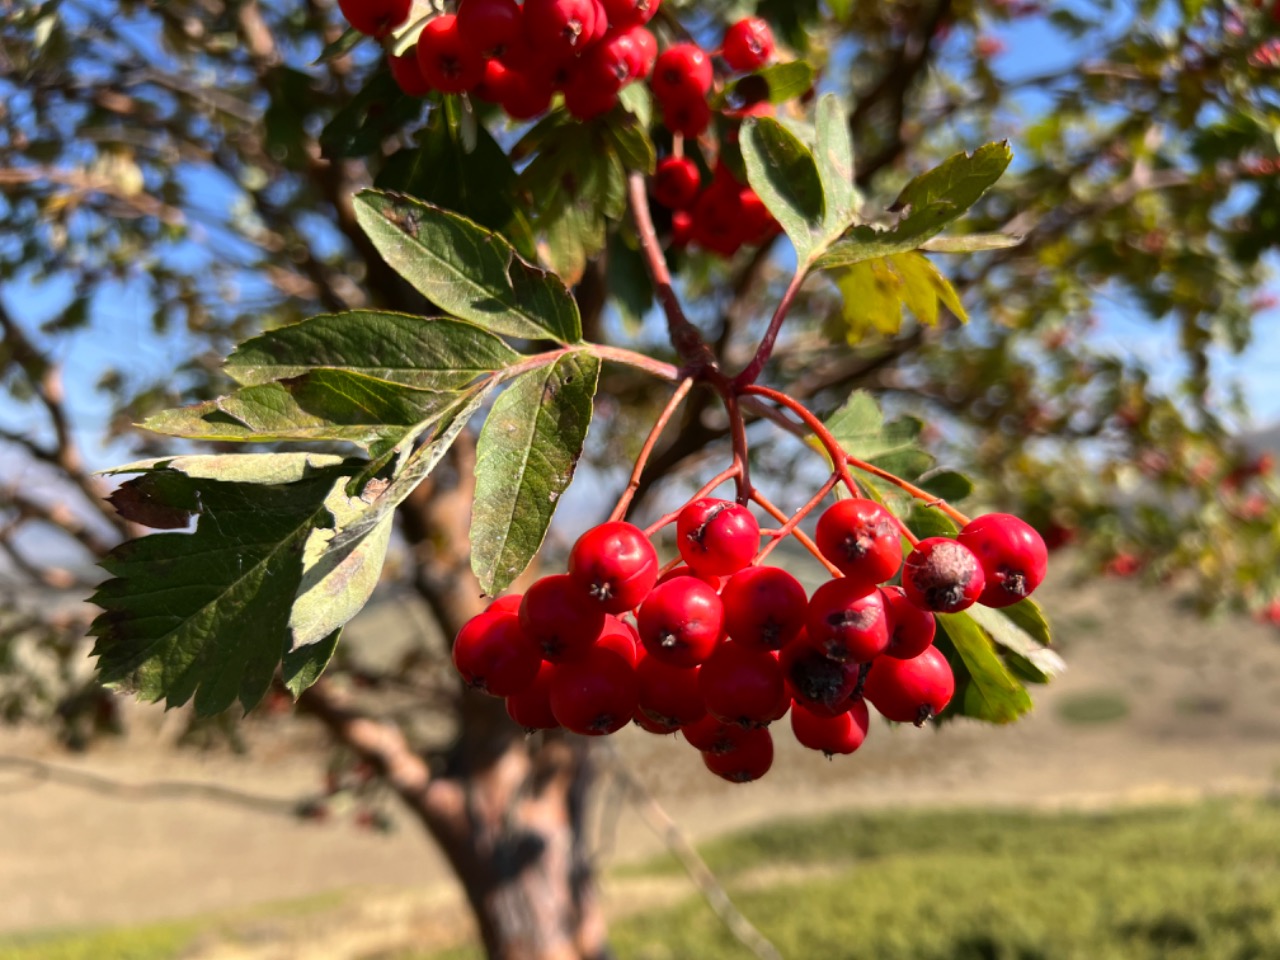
x,y
929,499
832,446
738,431
751,372
646,451
800,535
798,517
663,371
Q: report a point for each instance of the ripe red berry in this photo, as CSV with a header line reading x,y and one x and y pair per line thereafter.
x,y
681,229
818,683
531,707
682,570
682,71
710,735
748,44
676,182
688,116
911,630
561,28
615,565
506,604
741,685
488,27
669,695
494,655
681,621
843,733
911,691
757,223
448,64
586,100
559,618
630,13
649,725
1013,556
620,637
942,576
847,621
764,607
608,66
408,75
646,45
522,96
596,694
376,18
717,536
862,539
716,222
749,760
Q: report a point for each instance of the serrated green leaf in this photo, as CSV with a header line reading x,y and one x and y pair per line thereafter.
x,y
875,292
971,243
784,174
993,693
1028,616
350,38
1008,634
833,153
786,81
629,284
431,353
302,667
930,522
468,271
630,139
637,101
947,485
206,614
525,458
379,110
236,467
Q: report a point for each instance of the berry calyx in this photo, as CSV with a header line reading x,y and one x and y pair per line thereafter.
x,y
911,630
493,654
562,28
911,691
717,536
594,695
488,27
559,619
842,734
681,621
676,182
1013,556
447,63
862,539
748,44
615,565
942,576
764,607
847,621
750,759
741,685
531,707
375,18
630,13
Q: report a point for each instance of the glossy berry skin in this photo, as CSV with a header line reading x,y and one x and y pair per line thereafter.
x,y
375,18
649,725
522,96
862,539
741,685
911,630
717,224
676,182
509,603
682,570
614,565
847,622
749,760
608,66
630,13
842,734
716,536
647,48
682,70
560,28
448,64
942,576
748,44
620,637
596,694
669,695
710,735
408,75
764,607
530,708
681,621
911,691
681,229
688,116
558,617
1013,556
494,655
488,27
815,681
586,100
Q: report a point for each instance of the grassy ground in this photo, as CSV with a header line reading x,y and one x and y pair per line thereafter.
x,y
1194,883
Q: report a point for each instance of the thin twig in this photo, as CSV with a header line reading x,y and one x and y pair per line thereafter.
x,y
774,511
797,518
646,451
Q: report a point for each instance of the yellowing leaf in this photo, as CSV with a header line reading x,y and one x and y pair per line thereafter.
x,y
875,291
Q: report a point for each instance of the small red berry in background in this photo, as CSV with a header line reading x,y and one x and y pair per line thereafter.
x,y
493,654
408,74
764,607
596,694
447,63
676,182
942,576
911,691
847,621
561,28
750,759
488,27
614,565
1013,556
681,622
682,71
376,18
842,734
748,44
717,536
911,630
862,539
559,618
531,707
630,13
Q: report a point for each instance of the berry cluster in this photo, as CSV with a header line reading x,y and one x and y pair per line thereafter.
x,y
721,646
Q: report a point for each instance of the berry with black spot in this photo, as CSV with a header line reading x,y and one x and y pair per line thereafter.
x,y
942,576
862,539
717,536
847,622
816,682
911,630
842,734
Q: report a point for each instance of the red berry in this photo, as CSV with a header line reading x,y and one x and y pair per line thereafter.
x,y
818,683
620,637
757,224
710,735
843,733
681,621
506,604
764,607
717,536
711,580
749,760
741,685
1013,557
669,695
911,630
847,621
613,63
716,223
376,18
615,565
491,83
448,64
911,691
531,707
630,13
561,28
559,618
408,75
522,96
681,229
686,115
586,99
488,27
942,576
646,46
682,71
494,655
601,24
862,539
594,695
748,44
676,182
